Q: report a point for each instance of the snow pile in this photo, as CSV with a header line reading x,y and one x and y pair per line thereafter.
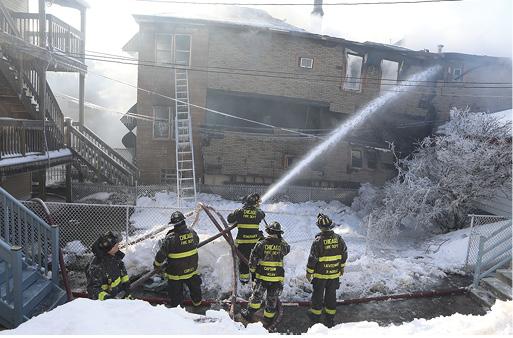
x,y
137,317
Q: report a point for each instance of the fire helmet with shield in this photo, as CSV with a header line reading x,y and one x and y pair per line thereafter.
x,y
108,240
177,218
252,199
273,227
324,222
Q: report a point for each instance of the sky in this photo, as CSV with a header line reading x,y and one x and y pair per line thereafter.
x,y
414,263
481,27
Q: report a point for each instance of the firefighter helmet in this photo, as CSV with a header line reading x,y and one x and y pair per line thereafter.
x,y
252,199
324,222
108,240
273,227
177,218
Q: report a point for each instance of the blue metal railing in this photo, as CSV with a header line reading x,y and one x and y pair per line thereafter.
x,y
11,263
498,245
20,227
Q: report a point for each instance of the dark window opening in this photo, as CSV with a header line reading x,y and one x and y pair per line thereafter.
x,y
356,158
372,159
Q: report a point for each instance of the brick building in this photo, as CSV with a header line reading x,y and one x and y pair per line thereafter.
x,y
263,93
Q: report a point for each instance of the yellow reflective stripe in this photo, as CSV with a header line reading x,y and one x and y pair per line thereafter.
x,y
183,254
269,279
244,275
197,304
309,270
248,226
102,295
254,305
113,285
156,263
318,275
266,263
330,258
268,314
330,312
125,279
316,312
244,241
175,277
343,265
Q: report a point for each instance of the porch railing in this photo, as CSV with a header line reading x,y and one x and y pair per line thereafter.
x,y
493,249
20,138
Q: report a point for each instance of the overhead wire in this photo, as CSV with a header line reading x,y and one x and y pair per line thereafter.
x,y
300,3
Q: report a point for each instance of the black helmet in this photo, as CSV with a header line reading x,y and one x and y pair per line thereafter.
x,y
177,218
324,222
251,200
108,240
273,227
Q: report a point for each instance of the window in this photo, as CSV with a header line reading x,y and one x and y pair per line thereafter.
x,y
182,49
353,76
290,160
356,158
168,176
389,74
164,43
306,62
372,159
161,122
457,75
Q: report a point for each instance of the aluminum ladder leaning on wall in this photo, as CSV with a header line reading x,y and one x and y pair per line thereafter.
x,y
185,170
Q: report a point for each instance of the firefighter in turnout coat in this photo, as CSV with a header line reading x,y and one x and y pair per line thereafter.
x,y
248,220
266,266
180,248
106,273
326,263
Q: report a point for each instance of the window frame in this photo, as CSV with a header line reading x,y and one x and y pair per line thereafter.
x,y
299,63
169,58
160,135
353,157
176,51
358,83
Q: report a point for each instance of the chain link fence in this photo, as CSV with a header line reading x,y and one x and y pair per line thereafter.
x,y
484,225
129,195
80,224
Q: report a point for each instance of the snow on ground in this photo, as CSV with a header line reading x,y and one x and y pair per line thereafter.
x,y
415,262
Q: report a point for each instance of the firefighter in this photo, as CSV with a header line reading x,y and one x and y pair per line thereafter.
x,y
326,263
106,273
180,248
248,219
266,266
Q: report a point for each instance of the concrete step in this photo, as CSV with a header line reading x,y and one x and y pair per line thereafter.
x,y
482,296
504,275
498,288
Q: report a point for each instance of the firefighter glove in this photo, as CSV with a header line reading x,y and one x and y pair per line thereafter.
x,y
309,276
341,271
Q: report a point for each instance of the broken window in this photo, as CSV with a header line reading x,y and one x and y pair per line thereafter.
x,y
163,45
389,74
353,76
356,158
182,49
306,62
457,75
290,160
161,122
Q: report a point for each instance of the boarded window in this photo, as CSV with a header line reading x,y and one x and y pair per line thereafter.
x,y
353,76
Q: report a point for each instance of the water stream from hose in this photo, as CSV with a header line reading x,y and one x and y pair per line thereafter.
x,y
351,124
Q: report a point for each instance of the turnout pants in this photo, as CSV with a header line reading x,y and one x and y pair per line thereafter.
x,y
245,250
175,290
274,290
324,293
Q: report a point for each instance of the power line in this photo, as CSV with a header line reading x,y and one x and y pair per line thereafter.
x,y
336,79
299,4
